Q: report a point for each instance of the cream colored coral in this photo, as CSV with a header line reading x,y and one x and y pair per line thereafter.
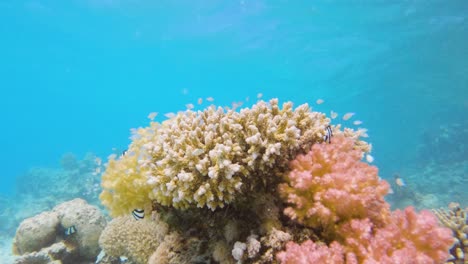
x,y
207,158
456,219
137,240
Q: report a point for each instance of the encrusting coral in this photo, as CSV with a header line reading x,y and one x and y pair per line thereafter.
x,y
207,158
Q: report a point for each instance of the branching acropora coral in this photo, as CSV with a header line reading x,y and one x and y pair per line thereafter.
x,y
456,219
207,158
330,185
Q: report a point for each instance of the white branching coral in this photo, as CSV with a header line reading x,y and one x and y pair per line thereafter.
x,y
207,158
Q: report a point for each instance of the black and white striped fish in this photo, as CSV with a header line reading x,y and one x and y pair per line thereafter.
x,y
328,134
70,230
138,214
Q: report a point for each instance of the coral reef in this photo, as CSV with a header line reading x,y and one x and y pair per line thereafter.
x,y
258,186
445,143
37,238
76,178
432,186
208,158
456,219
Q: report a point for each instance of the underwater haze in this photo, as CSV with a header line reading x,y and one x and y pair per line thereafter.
x,y
77,75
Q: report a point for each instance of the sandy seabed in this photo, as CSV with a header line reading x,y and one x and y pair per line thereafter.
x,y
6,256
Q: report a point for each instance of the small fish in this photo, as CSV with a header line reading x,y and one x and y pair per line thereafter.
x,y
210,99
189,106
123,153
259,95
70,230
357,122
197,152
348,116
98,161
399,181
101,256
170,115
333,114
328,134
235,105
247,99
138,214
200,101
319,101
152,115
369,158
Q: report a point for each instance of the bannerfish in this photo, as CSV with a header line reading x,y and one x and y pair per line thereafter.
x,y
328,134
138,214
70,230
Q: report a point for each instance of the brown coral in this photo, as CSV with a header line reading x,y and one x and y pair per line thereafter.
x,y
137,240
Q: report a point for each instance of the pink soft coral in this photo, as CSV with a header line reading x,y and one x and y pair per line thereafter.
x,y
331,185
408,238
310,252
412,236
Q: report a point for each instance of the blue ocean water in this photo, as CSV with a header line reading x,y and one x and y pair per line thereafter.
x,y
75,76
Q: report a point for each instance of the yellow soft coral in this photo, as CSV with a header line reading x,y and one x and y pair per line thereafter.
x,y
207,158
